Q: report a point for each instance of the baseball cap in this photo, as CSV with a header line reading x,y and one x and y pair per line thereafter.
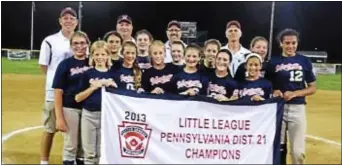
x,y
173,22
68,10
234,22
124,18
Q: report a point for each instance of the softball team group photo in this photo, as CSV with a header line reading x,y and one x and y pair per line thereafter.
x,y
76,69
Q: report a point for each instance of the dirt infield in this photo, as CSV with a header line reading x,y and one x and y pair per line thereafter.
x,y
22,103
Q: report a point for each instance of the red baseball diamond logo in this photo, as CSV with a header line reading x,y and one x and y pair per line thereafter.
x,y
134,139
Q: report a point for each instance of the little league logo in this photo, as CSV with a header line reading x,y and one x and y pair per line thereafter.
x,y
134,139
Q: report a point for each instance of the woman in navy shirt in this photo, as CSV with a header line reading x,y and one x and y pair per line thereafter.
x,y
189,81
254,86
157,79
90,85
65,84
222,86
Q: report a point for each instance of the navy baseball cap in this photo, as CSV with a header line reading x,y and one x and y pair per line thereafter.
x,y
68,10
125,18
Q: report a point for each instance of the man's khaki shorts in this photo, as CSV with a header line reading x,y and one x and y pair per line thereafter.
x,y
49,117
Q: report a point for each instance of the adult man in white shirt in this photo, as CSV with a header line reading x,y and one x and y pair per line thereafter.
x,y
173,33
233,34
124,26
54,49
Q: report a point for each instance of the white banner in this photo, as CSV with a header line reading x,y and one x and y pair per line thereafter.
x,y
156,131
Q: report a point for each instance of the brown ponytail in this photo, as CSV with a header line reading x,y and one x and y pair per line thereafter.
x,y
137,75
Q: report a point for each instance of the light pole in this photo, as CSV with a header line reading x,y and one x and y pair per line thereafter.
x,y
271,31
33,8
80,6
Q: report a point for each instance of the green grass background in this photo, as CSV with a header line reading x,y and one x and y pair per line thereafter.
x,y
325,82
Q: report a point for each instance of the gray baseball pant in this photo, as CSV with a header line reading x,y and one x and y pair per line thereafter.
x,y
91,136
72,138
294,122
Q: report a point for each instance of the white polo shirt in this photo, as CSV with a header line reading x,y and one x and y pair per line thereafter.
x,y
237,59
168,56
54,49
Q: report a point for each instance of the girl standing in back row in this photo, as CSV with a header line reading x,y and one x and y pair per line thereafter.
x,y
144,39
114,43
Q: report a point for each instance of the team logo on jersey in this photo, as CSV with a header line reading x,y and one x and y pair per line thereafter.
x,y
134,139
160,80
78,70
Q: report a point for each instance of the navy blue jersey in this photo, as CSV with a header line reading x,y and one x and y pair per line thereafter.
x,y
153,78
240,74
226,86
124,78
144,62
183,81
290,74
205,70
93,102
67,77
175,68
261,87
116,64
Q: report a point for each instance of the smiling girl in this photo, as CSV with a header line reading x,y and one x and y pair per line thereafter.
x,y
90,85
255,87
144,39
128,76
65,84
114,43
157,79
211,47
222,86
189,81
258,45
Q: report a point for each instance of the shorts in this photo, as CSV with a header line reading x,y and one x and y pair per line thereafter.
x,y
49,117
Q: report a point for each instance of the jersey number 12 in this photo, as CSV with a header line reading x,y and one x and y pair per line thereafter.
x,y
296,76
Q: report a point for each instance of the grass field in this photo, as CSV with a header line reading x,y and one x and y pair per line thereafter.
x,y
25,110
20,67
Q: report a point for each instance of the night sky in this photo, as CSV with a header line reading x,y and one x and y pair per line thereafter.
x,y
319,23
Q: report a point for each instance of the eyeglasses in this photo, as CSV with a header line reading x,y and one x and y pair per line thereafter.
x,y
79,43
173,30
